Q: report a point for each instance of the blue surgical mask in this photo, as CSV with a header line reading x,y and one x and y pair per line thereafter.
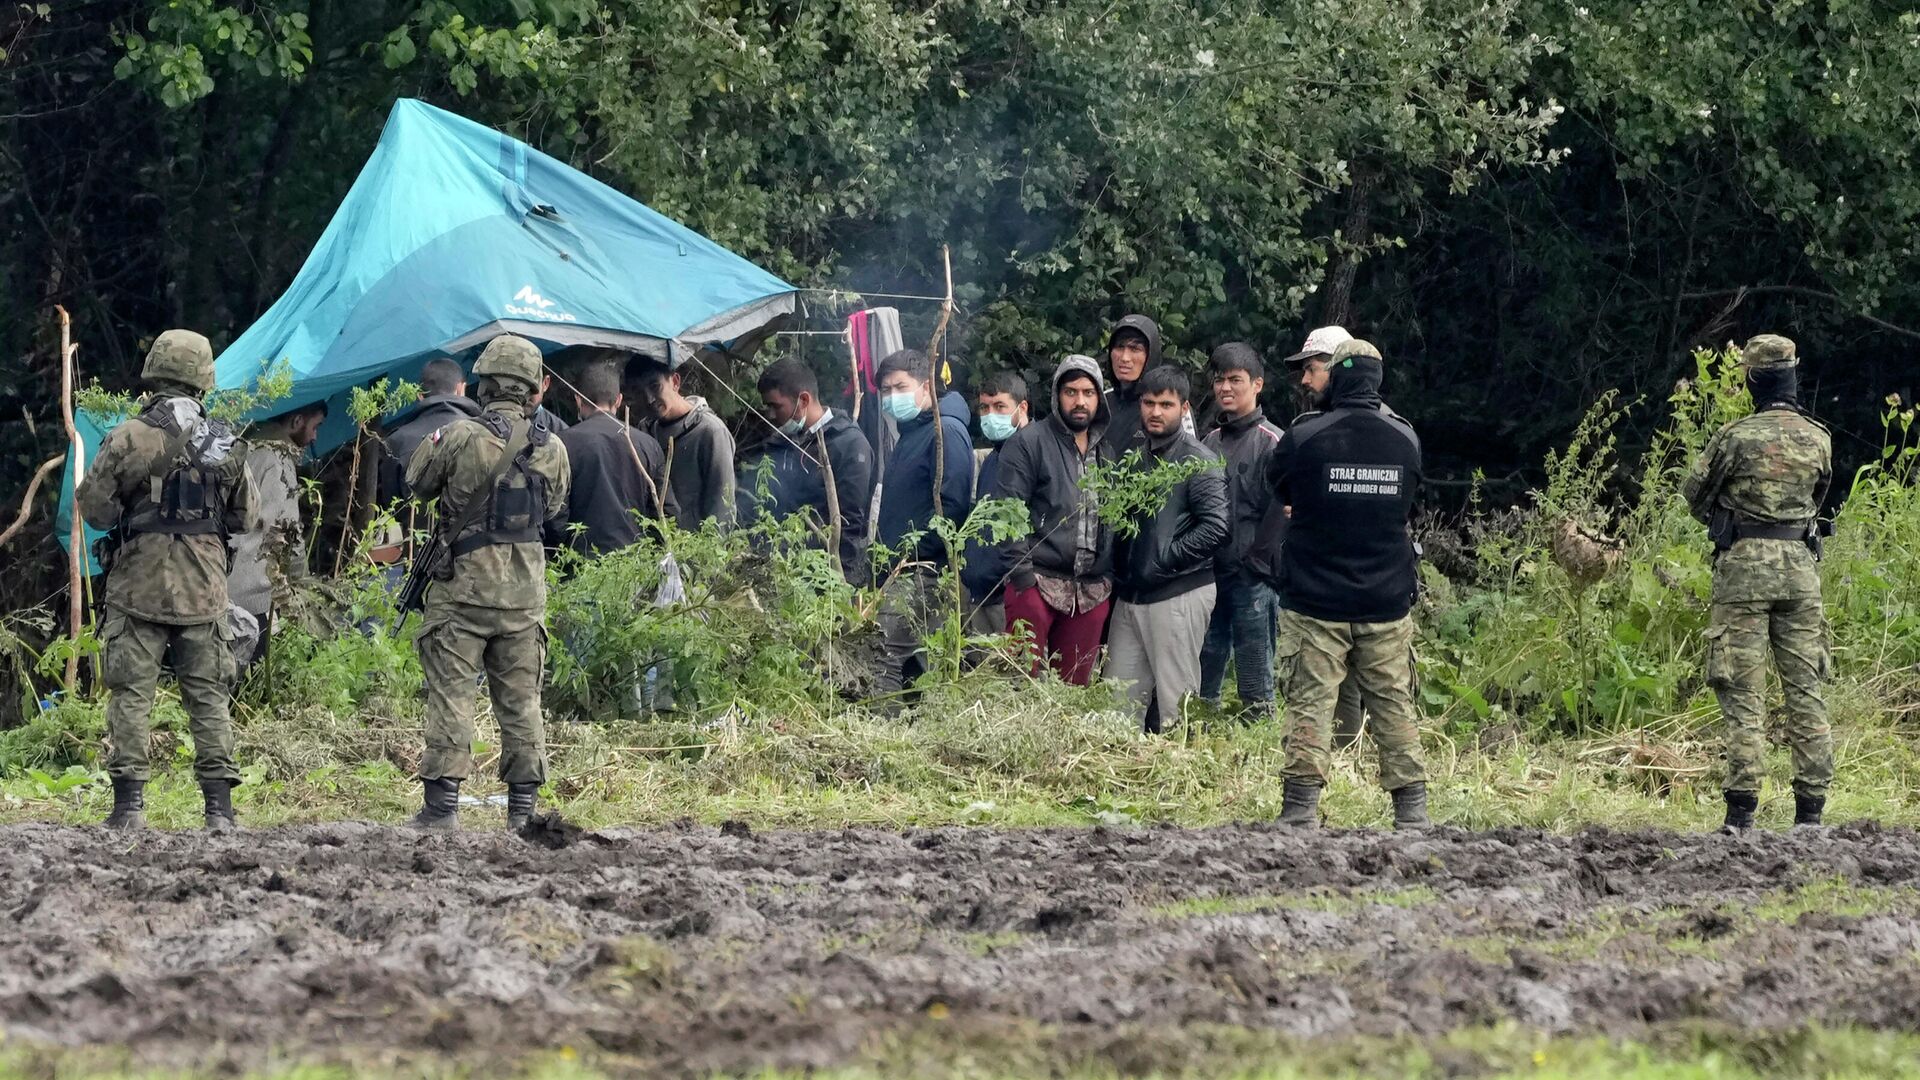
x,y
902,407
997,427
792,427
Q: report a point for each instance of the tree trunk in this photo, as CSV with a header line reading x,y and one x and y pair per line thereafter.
x,y
1335,307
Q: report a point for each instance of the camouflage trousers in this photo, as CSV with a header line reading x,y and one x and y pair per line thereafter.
x,y
459,641
1315,660
1738,636
201,656
202,663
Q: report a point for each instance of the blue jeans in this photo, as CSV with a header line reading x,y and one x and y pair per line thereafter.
x,y
1244,624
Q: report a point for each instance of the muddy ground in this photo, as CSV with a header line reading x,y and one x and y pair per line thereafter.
x,y
687,950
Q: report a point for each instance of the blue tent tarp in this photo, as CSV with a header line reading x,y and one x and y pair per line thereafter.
x,y
453,233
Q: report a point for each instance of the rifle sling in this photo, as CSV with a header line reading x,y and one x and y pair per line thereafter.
x,y
516,442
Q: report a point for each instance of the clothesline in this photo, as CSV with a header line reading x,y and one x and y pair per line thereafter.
x,y
881,295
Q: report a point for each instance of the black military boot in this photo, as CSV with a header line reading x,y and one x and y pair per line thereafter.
x,y
129,804
520,805
219,799
1410,807
1740,807
440,810
1300,804
1808,808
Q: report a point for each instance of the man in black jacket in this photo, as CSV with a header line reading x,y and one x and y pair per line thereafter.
x,y
1349,576
617,471
1163,573
443,399
1001,404
1244,611
810,443
1060,575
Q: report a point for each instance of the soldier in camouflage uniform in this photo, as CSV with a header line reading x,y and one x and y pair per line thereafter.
x,y
170,490
485,611
1759,487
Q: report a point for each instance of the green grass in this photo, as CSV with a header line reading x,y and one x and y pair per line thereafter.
x,y
1336,902
984,752
932,1051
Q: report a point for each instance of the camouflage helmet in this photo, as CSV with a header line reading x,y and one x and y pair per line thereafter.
x,y
180,356
1353,347
512,356
1768,352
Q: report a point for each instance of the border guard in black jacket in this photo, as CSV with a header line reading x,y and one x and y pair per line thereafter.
x,y
1349,577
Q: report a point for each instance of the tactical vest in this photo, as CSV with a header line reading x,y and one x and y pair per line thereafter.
x,y
186,499
517,504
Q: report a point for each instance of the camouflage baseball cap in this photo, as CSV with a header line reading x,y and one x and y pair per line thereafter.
x,y
180,356
512,356
1347,350
1768,351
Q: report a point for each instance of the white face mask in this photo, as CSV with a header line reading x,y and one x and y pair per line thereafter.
x,y
792,427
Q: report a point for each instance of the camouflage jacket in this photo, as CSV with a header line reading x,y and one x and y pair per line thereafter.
x,y
160,577
1774,467
452,465
267,559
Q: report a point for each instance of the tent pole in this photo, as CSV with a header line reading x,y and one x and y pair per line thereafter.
x,y
77,535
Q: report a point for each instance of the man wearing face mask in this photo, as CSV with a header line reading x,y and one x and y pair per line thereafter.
x,y
1759,487
810,442
914,601
1002,407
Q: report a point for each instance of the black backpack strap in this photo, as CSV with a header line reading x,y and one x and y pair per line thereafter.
x,y
516,442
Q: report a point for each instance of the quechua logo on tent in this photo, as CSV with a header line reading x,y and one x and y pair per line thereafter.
x,y
527,304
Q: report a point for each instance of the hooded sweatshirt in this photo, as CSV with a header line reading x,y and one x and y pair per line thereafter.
x,y
1041,466
1123,399
906,499
699,451
1350,474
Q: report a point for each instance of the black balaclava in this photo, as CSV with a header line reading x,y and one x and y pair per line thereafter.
x,y
1354,383
1774,386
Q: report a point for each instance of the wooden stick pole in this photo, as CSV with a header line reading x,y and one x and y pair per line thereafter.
x,y
26,501
77,535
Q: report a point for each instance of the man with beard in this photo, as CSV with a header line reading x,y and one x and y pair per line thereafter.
x,y
1758,487
1060,575
1348,577
1310,392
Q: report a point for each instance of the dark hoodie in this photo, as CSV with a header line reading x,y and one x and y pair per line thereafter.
x,y
1041,466
404,436
1123,399
1350,474
906,495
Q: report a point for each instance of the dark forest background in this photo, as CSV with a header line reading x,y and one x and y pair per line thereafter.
x,y
1526,203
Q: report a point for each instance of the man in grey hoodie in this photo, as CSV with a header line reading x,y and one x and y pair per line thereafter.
x,y
698,446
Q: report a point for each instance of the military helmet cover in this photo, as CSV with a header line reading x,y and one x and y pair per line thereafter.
x,y
512,356
180,356
1765,352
